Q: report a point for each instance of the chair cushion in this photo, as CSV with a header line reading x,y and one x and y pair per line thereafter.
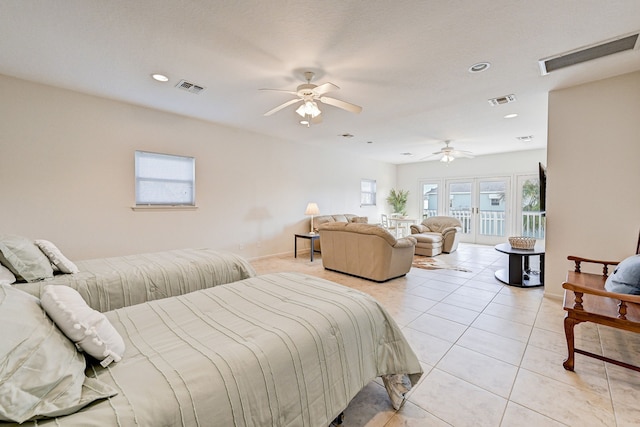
x,y
428,237
625,279
440,223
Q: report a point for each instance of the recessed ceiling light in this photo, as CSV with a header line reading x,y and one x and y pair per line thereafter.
x,y
479,67
160,77
526,138
511,116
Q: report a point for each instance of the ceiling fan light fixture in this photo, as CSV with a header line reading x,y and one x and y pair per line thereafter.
x,y
309,108
447,158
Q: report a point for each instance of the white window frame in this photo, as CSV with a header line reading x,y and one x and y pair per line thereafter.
x,y
370,196
164,181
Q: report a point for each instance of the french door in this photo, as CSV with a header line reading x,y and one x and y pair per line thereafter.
x,y
482,206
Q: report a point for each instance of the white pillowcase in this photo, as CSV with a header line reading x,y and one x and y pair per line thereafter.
x,y
56,257
89,329
6,276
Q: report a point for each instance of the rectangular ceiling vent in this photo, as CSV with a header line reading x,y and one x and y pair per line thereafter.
x,y
587,53
502,100
190,87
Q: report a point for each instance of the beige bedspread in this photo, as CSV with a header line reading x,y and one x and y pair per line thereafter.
x,y
282,349
110,283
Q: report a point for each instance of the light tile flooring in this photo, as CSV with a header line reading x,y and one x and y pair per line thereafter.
x,y
492,353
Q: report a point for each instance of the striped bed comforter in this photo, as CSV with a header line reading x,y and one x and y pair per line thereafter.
x,y
281,349
111,283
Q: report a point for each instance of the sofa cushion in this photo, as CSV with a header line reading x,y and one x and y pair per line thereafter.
x,y
322,219
360,219
354,227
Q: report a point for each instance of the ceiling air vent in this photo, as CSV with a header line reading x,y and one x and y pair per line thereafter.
x,y
190,87
502,100
587,53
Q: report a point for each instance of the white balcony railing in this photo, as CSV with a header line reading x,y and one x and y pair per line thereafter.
x,y
493,223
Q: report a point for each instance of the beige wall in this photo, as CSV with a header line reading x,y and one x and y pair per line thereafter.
x,y
593,201
67,175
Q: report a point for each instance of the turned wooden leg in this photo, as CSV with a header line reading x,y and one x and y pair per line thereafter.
x,y
569,323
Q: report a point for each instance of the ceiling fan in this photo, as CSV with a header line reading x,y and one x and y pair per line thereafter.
x,y
448,154
308,94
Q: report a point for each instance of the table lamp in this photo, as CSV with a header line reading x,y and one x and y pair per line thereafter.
x,y
312,209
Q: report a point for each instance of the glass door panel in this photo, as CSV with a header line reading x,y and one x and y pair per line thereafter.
x,y
532,222
429,199
460,205
491,210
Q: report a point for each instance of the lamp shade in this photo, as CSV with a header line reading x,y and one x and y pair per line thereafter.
x,y
312,209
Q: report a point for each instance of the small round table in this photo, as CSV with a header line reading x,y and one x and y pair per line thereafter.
x,y
515,275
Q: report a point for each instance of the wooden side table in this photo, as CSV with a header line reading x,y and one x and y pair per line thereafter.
x,y
311,237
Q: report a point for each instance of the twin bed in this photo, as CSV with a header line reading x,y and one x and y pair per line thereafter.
x,y
116,282
283,349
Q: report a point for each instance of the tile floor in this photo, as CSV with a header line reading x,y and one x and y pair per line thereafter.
x,y
492,353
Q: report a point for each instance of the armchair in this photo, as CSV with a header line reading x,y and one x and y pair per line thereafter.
x,y
437,234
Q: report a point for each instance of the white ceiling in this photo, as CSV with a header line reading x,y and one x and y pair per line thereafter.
x,y
405,62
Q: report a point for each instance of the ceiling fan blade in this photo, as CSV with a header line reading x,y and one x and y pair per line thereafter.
x,y
341,104
324,88
459,153
282,90
281,106
432,156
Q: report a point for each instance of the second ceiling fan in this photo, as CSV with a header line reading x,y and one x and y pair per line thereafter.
x,y
448,154
309,94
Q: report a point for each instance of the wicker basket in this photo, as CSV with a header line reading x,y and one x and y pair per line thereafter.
x,y
520,242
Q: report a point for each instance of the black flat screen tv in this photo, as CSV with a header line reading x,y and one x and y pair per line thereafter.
x,y
542,181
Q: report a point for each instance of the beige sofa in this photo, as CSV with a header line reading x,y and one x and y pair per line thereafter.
x,y
323,219
365,250
437,234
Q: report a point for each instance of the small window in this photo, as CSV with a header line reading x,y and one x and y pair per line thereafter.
x,y
368,192
164,180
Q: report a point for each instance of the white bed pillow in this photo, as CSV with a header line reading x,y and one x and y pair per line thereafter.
x,y
89,329
6,276
56,257
42,372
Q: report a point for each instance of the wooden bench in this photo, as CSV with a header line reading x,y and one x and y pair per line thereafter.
x,y
586,300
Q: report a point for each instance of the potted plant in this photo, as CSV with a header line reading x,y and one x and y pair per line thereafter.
x,y
398,201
